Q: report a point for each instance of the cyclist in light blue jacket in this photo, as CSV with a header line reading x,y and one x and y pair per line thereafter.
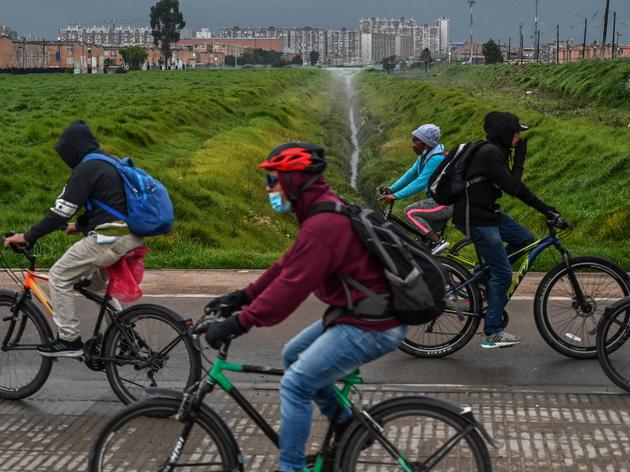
x,y
425,213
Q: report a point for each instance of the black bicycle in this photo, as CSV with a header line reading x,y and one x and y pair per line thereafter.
x,y
613,348
141,346
568,305
177,430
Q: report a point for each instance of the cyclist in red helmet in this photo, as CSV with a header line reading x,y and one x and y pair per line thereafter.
x,y
326,248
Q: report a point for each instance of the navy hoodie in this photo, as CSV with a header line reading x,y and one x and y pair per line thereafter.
x,y
92,179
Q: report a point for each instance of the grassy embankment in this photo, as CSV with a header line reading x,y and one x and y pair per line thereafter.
x,y
579,151
201,133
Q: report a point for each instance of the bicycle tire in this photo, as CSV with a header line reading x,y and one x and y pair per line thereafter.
x,y
465,249
422,424
572,333
448,333
143,436
615,360
124,375
34,330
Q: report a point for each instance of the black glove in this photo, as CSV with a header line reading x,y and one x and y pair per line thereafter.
x,y
384,190
520,151
554,218
231,302
216,333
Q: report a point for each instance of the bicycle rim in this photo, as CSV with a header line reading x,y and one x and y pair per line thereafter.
x,y
144,437
429,438
615,360
23,370
567,327
450,331
152,352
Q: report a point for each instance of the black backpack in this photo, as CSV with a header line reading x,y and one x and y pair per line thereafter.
x,y
416,281
448,182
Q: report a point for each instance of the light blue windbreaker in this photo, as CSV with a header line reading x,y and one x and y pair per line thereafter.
x,y
416,179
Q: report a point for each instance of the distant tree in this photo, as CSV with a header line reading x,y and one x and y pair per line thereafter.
x,y
389,63
134,56
425,57
297,60
314,57
166,23
492,52
229,60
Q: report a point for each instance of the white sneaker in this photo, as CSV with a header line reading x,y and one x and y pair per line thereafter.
x,y
439,246
500,339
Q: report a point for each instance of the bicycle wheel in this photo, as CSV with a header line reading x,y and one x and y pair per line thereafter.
x,y
143,437
425,434
464,251
613,348
23,371
451,330
154,349
568,328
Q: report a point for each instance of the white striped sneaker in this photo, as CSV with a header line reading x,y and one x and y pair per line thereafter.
x,y
500,339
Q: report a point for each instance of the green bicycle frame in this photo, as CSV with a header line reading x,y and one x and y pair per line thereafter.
x,y
216,376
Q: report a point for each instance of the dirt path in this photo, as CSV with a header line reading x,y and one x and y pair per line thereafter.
x,y
216,282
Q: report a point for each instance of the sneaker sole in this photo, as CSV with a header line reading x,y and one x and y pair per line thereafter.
x,y
499,345
61,354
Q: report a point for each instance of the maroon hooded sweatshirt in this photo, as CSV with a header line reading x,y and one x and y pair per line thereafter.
x,y
325,248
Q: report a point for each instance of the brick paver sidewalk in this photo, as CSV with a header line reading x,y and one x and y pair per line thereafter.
x,y
542,431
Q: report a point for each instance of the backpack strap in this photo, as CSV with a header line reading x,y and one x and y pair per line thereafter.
x,y
372,308
94,156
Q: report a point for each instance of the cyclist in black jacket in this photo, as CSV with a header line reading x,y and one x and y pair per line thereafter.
x,y
487,226
106,238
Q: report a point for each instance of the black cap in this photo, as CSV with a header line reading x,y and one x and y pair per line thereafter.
x,y
500,127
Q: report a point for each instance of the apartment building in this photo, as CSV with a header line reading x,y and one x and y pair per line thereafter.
x,y
50,54
107,35
8,32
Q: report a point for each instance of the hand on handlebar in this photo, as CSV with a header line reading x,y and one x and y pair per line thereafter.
x,y
389,198
219,332
14,240
554,219
383,190
225,305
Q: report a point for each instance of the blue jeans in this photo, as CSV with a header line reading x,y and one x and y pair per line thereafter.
x,y
488,241
315,359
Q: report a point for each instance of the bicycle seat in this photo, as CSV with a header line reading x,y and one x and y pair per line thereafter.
x,y
82,283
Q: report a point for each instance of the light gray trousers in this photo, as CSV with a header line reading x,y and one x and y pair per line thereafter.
x,y
85,258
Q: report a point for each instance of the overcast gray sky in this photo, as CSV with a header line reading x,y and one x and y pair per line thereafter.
x,y
494,18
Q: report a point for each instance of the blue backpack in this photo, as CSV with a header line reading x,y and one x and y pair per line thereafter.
x,y
149,208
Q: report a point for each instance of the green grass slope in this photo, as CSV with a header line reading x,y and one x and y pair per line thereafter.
x,y
577,162
201,133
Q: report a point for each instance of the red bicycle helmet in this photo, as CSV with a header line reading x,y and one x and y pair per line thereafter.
x,y
295,156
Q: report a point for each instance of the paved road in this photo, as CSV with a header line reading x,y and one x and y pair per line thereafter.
x,y
554,413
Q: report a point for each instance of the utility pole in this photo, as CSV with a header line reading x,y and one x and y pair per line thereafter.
x,y
584,43
612,53
509,55
520,47
557,44
471,4
536,33
602,51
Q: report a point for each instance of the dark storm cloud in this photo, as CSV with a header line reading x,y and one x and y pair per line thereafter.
x,y
493,18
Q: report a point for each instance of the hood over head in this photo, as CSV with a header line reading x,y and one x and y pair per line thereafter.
x,y
303,200
500,127
75,142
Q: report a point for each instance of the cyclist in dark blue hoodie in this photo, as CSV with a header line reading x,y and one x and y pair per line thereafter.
x,y
106,239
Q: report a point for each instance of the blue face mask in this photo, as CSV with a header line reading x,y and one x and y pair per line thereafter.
x,y
278,204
